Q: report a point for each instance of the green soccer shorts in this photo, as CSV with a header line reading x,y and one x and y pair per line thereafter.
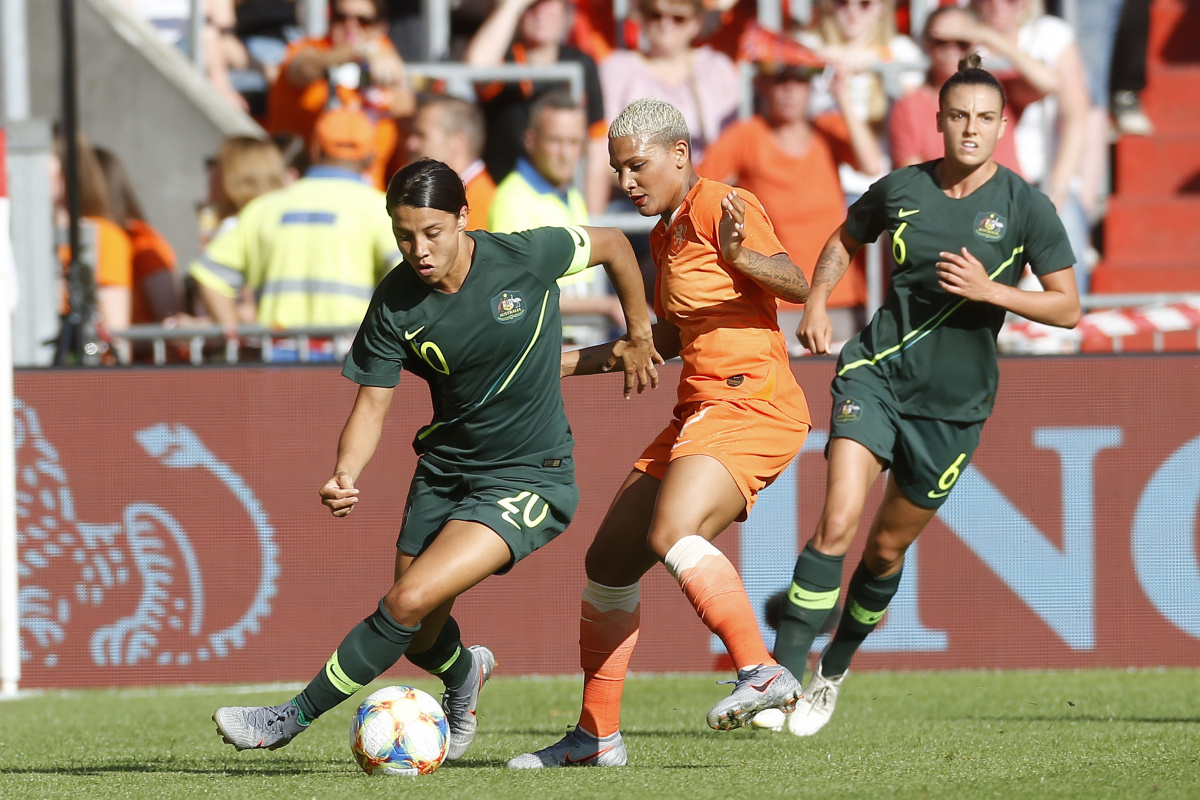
x,y
526,507
926,456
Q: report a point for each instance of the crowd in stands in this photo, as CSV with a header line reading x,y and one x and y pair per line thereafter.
x,y
806,117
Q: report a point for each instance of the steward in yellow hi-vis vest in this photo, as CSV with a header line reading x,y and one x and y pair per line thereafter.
x,y
312,252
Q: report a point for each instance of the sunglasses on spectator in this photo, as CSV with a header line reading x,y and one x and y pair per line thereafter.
x,y
863,5
949,42
363,22
678,19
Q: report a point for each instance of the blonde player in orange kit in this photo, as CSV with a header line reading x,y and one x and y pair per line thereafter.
x,y
739,421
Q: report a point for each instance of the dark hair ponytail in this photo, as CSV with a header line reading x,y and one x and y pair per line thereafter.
x,y
427,183
971,73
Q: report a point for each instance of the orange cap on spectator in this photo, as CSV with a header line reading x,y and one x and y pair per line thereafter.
x,y
345,134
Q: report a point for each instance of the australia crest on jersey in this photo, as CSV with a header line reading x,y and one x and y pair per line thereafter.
x,y
847,411
990,226
508,306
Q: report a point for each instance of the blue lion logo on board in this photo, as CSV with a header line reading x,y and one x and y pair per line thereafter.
x,y
508,306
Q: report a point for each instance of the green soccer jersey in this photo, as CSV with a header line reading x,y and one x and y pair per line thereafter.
x,y
933,351
490,352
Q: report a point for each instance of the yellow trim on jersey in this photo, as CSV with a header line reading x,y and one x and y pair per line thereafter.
x,y
508,379
536,333
583,250
920,332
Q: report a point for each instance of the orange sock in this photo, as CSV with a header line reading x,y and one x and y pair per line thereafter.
x,y
716,592
609,620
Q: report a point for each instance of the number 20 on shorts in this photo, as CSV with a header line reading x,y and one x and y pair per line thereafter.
x,y
512,505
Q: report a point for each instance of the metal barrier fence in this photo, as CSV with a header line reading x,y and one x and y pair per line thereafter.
x,y
209,344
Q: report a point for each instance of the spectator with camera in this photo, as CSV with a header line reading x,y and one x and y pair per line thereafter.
x,y
353,66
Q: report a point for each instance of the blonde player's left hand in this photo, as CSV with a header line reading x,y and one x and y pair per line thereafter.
x,y
732,231
964,275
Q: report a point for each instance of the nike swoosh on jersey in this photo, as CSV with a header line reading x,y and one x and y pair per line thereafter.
x,y
568,760
902,213
578,237
408,335
932,495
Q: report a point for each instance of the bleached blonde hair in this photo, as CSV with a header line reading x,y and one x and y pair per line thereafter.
x,y
658,121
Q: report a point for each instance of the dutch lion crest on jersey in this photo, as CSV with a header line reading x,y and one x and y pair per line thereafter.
x,y
990,226
679,237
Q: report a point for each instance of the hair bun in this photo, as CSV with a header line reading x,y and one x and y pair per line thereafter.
x,y
970,61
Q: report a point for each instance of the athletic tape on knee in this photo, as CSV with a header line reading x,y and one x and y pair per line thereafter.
x,y
607,598
687,552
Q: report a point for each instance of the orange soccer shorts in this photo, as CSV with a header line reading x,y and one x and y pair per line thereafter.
x,y
752,439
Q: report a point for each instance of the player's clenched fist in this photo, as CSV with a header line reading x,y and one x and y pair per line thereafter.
x,y
339,495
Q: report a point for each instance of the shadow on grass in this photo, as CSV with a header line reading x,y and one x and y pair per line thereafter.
x,y
256,771
628,732
1091,718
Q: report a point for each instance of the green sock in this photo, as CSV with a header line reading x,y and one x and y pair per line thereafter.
x,y
867,598
368,650
447,658
816,583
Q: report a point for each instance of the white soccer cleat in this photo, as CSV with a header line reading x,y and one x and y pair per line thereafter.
x,y
816,707
771,719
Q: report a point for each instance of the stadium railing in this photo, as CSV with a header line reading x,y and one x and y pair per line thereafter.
x,y
209,344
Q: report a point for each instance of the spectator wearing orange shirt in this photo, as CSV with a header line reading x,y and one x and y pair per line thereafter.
x,y
774,153
155,285
104,247
451,130
354,65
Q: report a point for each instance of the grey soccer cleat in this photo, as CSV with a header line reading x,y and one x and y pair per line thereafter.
x,y
577,749
258,727
755,689
459,704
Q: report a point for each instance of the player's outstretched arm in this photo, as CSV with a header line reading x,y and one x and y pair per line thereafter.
x,y
815,330
635,350
963,274
775,273
360,437
606,357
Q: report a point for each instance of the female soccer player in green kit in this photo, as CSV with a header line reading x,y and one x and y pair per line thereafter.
x,y
913,389
475,315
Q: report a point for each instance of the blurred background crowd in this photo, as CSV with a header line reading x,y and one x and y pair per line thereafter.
x,y
803,102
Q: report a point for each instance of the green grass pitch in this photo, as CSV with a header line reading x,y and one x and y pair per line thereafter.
x,y
1088,734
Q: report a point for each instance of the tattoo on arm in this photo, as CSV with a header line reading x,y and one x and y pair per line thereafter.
x,y
831,266
778,275
591,361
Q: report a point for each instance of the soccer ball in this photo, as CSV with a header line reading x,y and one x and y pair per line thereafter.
x,y
399,730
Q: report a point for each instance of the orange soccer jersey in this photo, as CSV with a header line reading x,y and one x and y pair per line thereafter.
x,y
732,346
734,355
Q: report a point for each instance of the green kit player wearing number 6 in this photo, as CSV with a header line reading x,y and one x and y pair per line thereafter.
x,y
474,315
913,389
